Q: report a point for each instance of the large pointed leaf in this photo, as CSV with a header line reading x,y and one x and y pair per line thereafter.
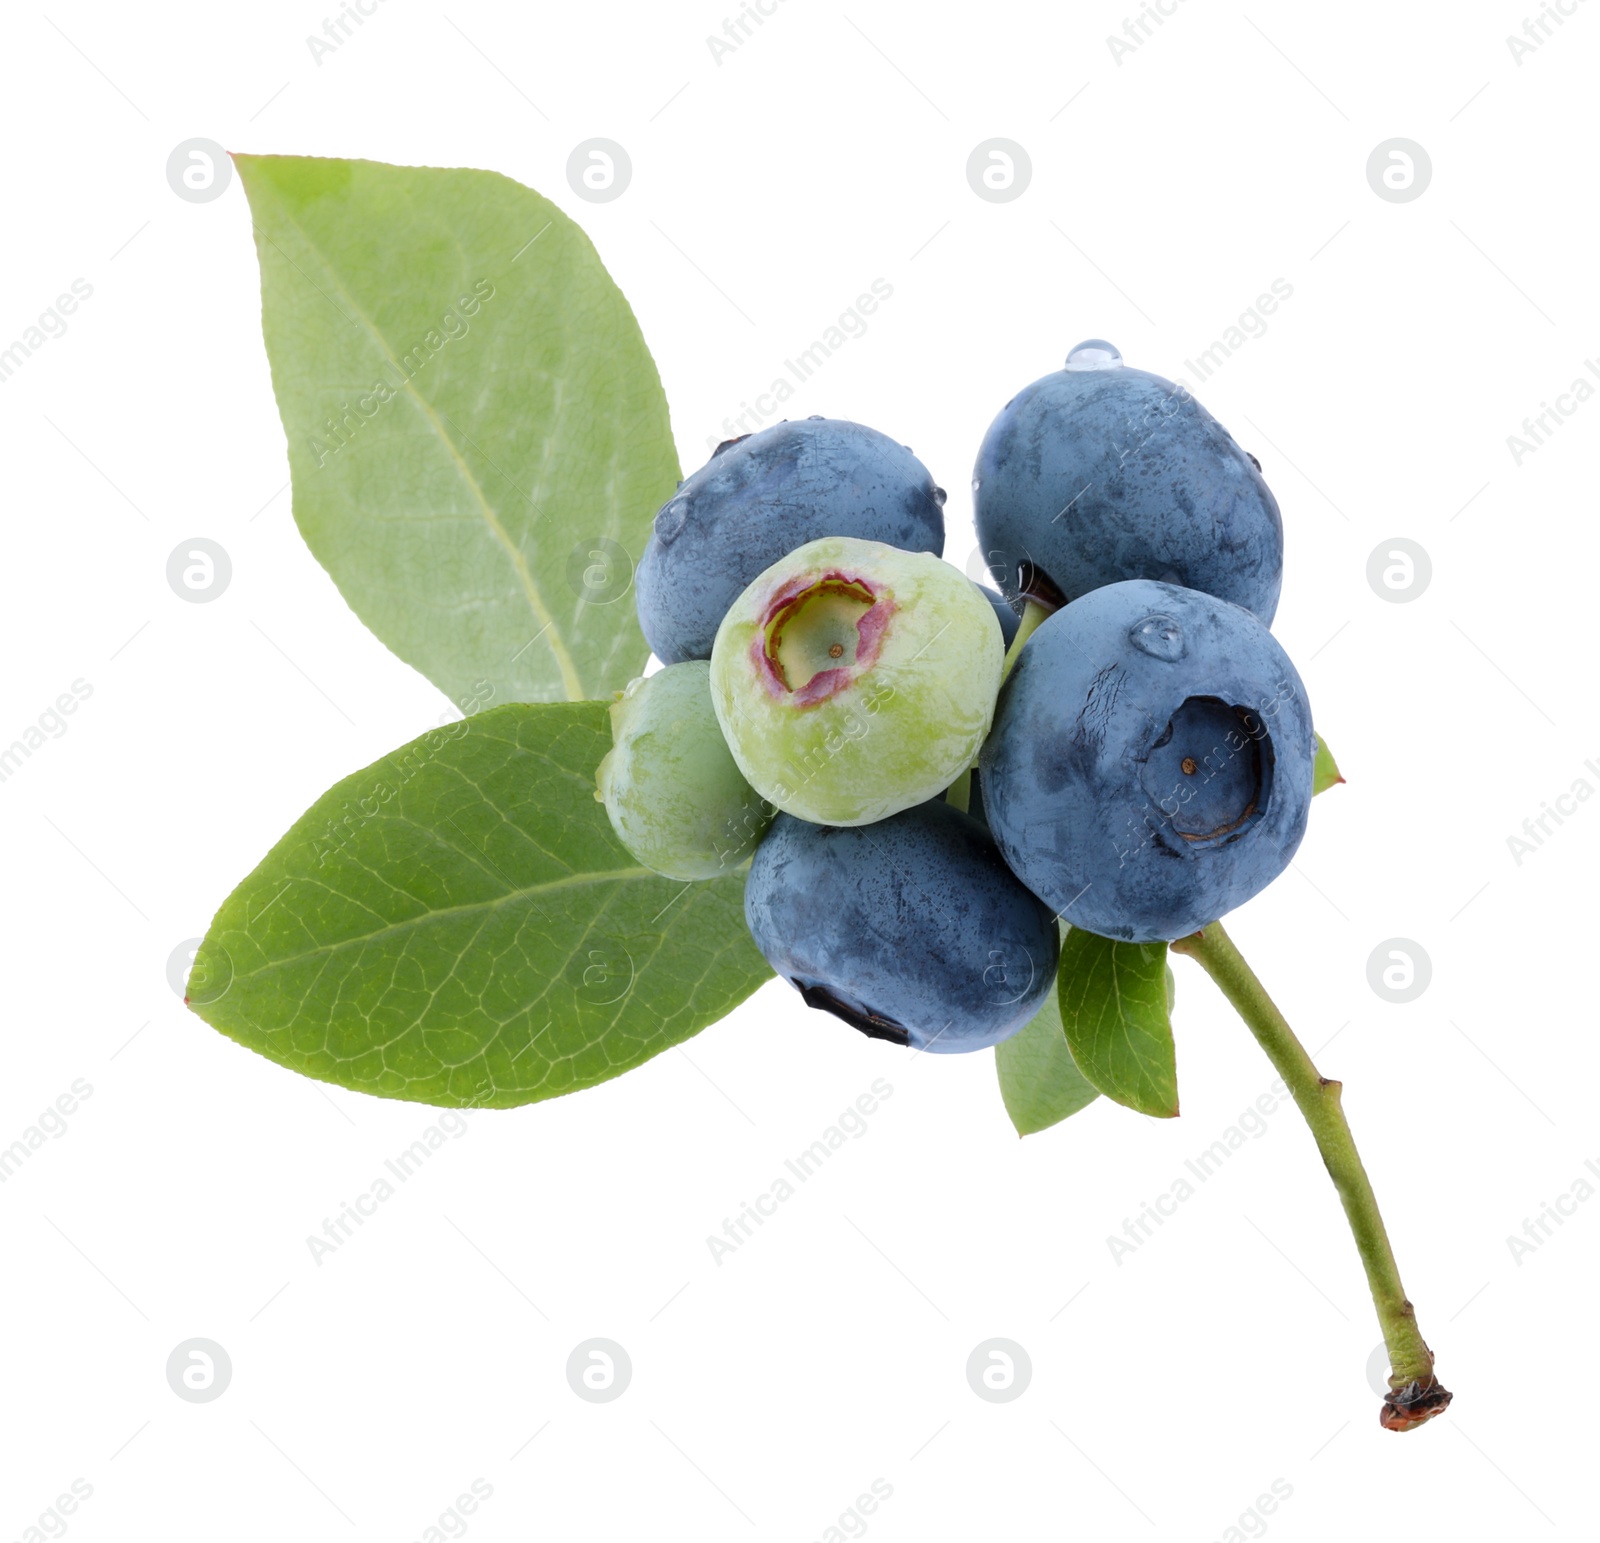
x,y
1115,1006
458,925
1039,1081
478,438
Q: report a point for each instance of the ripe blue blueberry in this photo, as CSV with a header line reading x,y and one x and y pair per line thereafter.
x,y
760,497
1100,473
911,930
1150,766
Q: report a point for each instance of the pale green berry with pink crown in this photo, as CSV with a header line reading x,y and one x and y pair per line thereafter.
x,y
853,679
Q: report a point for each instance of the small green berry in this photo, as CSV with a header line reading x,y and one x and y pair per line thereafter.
x,y
674,795
853,679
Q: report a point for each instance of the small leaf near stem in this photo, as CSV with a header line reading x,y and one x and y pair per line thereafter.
x,y
1115,1017
1415,1395
1326,773
1039,1081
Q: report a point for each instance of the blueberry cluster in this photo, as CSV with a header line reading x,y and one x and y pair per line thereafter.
x,y
926,775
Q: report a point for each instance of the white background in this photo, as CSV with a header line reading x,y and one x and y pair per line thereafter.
x,y
1231,1350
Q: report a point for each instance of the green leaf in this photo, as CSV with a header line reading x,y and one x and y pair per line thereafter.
x,y
1325,770
458,925
478,439
1039,1081
1115,999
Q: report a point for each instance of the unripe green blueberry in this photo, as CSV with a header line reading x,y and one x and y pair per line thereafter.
x,y
674,795
854,680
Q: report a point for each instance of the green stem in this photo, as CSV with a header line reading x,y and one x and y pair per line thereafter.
x,y
959,793
1032,615
1416,1395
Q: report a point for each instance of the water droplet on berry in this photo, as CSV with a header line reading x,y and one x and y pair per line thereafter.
x,y
1160,637
975,484
939,496
671,520
1094,354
